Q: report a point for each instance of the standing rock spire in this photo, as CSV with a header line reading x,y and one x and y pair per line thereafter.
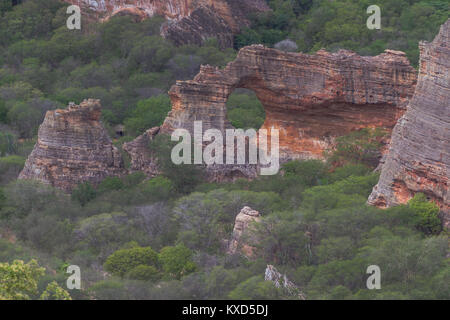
x,y
419,155
73,147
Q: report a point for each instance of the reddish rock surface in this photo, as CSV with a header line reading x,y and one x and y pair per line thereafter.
x,y
419,155
73,147
188,21
311,99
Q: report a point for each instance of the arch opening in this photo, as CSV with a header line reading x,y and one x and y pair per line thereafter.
x,y
245,110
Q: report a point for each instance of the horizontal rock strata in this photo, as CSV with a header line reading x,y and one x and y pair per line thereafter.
x,y
73,147
419,155
310,99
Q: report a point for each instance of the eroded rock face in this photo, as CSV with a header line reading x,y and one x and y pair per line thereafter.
x,y
419,155
189,21
310,99
73,147
241,226
141,157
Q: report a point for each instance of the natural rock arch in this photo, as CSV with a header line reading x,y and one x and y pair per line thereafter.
x,y
310,98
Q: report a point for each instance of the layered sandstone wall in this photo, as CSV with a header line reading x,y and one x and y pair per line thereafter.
x,y
310,99
73,147
188,21
419,156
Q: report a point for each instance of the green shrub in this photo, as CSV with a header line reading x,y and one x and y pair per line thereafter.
x,y
158,188
133,179
148,114
110,184
84,193
309,172
185,177
244,110
255,288
123,261
177,261
143,272
427,214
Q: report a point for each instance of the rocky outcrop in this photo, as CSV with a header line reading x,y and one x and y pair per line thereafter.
x,y
281,281
73,147
188,21
419,155
241,227
141,156
310,99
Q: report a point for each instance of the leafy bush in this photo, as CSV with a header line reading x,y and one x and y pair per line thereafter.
x,y
177,261
143,272
123,261
158,188
109,184
245,111
84,193
308,173
427,214
183,176
148,114
255,288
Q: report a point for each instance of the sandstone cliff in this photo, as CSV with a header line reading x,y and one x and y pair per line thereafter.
x,y
419,156
311,99
73,147
188,21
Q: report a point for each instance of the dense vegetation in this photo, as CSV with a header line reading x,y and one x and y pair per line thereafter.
x,y
316,24
164,237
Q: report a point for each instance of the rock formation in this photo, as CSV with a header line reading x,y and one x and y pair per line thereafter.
x,y
73,147
241,226
188,21
281,281
311,99
419,155
141,157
